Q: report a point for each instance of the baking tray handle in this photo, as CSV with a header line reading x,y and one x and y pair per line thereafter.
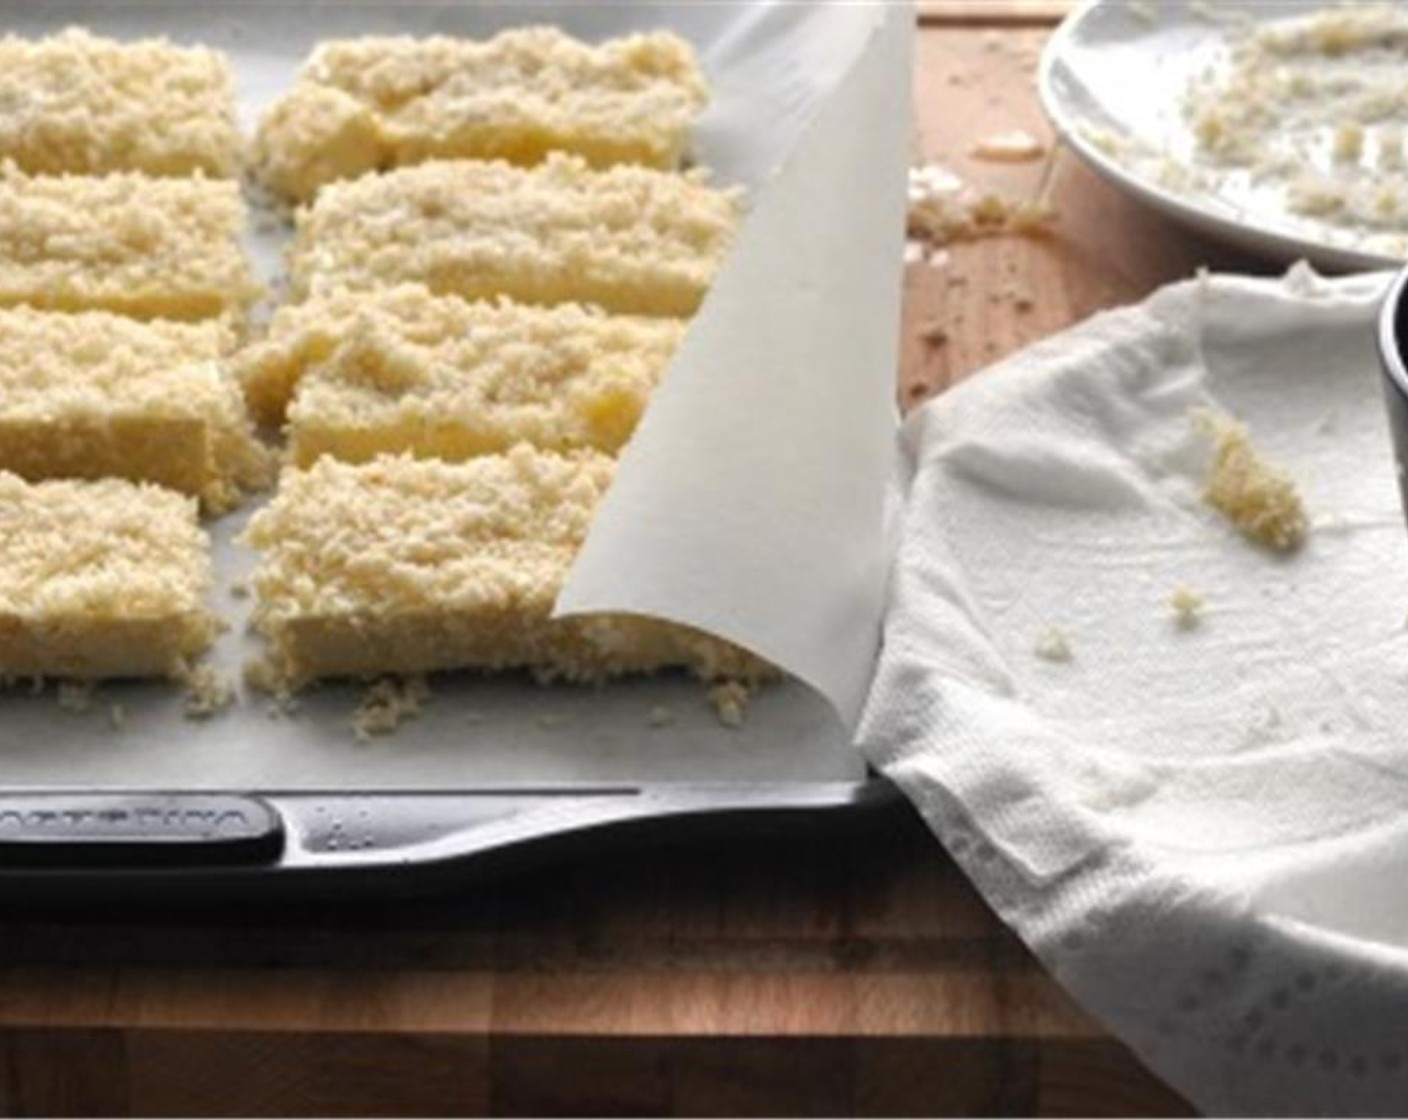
x,y
55,829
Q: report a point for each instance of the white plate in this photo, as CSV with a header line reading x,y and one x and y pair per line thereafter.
x,y
1110,68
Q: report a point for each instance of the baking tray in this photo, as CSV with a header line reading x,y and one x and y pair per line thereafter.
x,y
126,794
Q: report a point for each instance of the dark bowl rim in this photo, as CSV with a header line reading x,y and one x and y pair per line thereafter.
x,y
1391,356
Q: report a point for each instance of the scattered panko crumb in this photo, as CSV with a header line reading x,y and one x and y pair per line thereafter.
x,y
661,716
387,704
933,334
1258,498
75,696
1186,605
1012,146
117,715
551,719
1053,645
943,209
261,675
1349,142
730,701
1390,149
207,692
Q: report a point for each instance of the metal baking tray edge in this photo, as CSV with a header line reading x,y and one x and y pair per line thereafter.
x,y
74,846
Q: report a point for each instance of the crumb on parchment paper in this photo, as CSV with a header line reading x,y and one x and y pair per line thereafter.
x,y
730,702
388,703
207,692
75,696
661,716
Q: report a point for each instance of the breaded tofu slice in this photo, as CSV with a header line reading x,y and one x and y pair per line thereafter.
x,y
101,579
94,394
131,244
379,102
85,105
404,370
405,565
629,239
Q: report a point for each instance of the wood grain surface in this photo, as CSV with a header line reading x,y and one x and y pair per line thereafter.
x,y
813,971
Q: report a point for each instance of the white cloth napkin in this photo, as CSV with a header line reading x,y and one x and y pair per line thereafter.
x,y
1202,832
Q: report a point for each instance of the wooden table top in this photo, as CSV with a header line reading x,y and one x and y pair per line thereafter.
x,y
822,970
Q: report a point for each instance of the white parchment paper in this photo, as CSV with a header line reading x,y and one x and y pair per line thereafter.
x,y
762,467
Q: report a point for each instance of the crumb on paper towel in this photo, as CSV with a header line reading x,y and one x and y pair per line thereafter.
x,y
75,696
730,702
1053,645
1258,498
207,692
944,209
117,716
387,704
1187,606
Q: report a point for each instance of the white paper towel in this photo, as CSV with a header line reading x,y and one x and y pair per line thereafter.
x,y
1203,832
